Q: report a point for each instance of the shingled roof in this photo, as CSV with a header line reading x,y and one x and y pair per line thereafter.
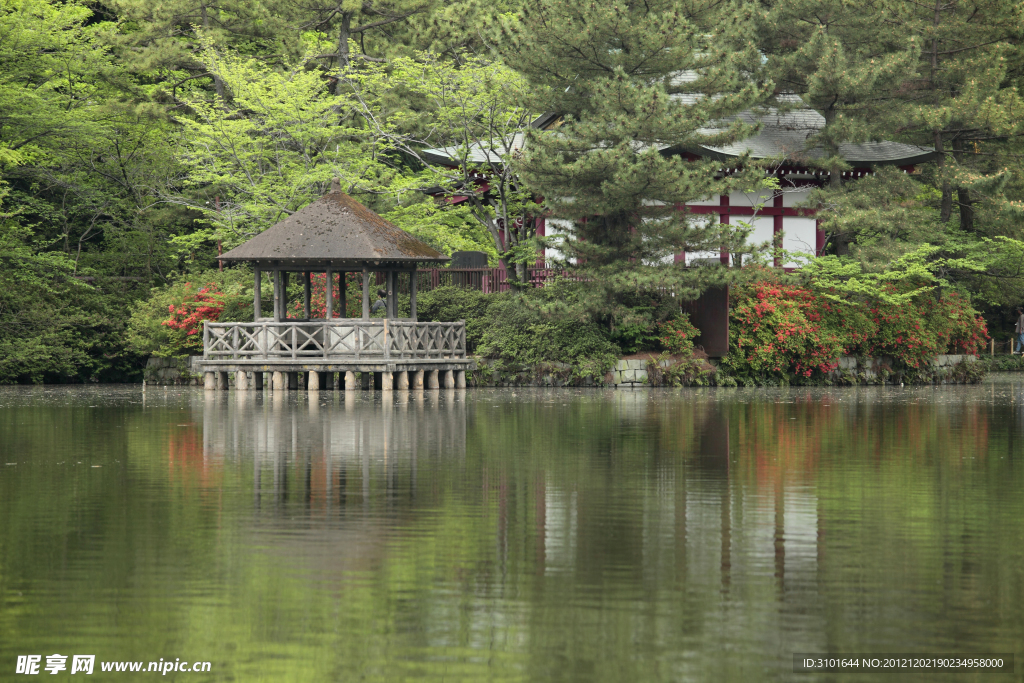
x,y
334,228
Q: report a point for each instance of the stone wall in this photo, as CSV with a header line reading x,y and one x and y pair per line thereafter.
x,y
179,370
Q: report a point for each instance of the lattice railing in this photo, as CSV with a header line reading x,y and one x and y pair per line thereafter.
x,y
345,339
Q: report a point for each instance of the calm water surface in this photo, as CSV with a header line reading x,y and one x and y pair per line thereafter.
x,y
528,535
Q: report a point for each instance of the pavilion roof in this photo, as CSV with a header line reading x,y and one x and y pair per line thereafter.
x,y
334,228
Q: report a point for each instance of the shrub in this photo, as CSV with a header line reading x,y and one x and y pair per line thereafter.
x,y
449,304
183,307
677,335
776,332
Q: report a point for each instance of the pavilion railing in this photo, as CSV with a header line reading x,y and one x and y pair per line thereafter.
x,y
343,339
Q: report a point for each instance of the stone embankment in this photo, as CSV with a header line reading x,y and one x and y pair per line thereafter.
x,y
627,373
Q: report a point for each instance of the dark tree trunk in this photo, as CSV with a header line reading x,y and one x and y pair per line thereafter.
x,y
344,33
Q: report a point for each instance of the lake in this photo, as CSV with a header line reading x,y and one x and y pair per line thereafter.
x,y
519,535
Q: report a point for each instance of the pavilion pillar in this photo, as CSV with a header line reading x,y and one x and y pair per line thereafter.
x,y
392,308
417,379
256,303
412,294
350,380
284,295
312,382
209,381
329,294
460,379
366,293
241,380
307,286
432,379
449,379
403,380
387,381
277,296
342,287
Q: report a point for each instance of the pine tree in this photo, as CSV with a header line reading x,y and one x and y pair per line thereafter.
x,y
635,84
846,59
965,102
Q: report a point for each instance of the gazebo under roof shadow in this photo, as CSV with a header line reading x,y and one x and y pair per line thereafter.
x,y
335,235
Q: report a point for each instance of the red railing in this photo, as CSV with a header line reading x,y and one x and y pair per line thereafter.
x,y
487,280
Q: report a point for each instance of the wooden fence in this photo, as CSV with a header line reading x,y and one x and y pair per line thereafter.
x,y
339,340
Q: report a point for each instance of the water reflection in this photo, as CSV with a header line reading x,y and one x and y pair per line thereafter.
x,y
539,535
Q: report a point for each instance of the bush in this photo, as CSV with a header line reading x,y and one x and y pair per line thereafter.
x,y
776,333
449,304
518,333
169,323
677,335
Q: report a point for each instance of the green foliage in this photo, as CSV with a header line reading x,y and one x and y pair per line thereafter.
x,y
450,304
269,151
789,333
677,335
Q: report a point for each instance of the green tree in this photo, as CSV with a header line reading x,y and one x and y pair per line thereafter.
x,y
847,61
635,83
268,151
461,122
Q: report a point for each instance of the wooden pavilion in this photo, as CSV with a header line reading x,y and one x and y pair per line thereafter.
x,y
335,235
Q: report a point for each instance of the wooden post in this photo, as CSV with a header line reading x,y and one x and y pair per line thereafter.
x,y
342,287
993,346
412,294
307,286
241,380
277,296
449,379
209,381
417,379
387,381
460,379
350,380
277,382
392,309
403,381
366,293
329,293
313,382
284,295
432,379
256,303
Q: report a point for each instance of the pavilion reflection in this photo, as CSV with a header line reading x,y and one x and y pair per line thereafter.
x,y
328,455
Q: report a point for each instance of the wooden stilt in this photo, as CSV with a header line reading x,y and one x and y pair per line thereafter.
x,y
241,380
387,381
350,381
417,379
460,379
432,379
403,381
278,381
209,381
449,379
313,382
